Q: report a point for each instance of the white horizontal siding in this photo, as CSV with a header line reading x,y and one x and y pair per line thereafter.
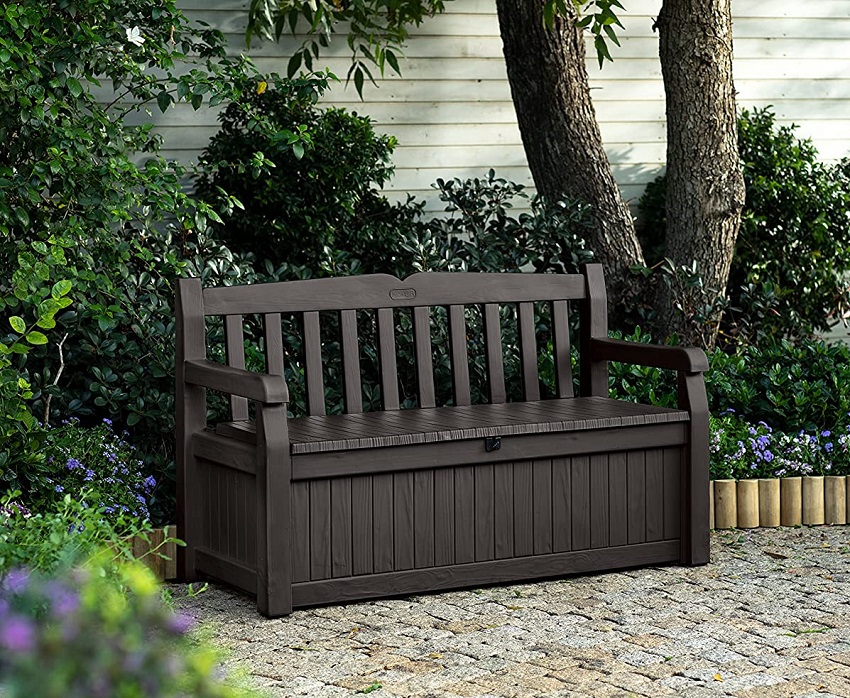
x,y
451,108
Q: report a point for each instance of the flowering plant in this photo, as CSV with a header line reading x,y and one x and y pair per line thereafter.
x,y
740,450
817,453
82,635
103,462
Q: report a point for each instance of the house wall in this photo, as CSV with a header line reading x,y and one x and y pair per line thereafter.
x,y
452,113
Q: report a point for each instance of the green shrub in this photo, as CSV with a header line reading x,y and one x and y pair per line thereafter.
x,y
82,223
793,250
307,178
69,533
85,634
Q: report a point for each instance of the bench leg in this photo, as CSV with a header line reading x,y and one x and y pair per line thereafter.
x,y
274,476
694,481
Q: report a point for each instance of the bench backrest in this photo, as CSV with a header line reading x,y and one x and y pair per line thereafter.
x,y
387,297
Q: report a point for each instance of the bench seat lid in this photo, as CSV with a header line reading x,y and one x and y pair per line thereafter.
x,y
346,432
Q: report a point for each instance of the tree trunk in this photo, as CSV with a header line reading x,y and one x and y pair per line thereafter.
x,y
551,94
705,184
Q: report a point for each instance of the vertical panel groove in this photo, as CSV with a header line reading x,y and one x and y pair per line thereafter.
x,y
561,505
599,501
637,496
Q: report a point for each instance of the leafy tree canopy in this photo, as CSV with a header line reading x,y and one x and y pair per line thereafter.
x,y
378,29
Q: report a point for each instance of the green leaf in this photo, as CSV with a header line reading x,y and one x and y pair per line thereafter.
x,y
358,81
18,324
163,99
22,216
298,150
61,288
35,337
74,87
47,323
293,65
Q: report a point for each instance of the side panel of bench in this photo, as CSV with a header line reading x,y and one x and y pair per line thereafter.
x,y
412,531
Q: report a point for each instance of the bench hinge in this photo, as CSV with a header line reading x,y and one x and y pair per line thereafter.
x,y
492,443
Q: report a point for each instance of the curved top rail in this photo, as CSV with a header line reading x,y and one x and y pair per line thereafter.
x,y
386,291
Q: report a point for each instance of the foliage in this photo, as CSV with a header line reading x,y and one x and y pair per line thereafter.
x,y
790,386
82,222
68,534
307,179
478,234
84,634
102,462
792,256
646,384
376,30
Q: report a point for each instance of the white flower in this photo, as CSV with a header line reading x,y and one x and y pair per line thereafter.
x,y
134,36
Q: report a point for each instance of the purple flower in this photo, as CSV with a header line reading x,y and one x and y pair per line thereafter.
x,y
17,634
59,488
150,482
107,421
179,623
72,464
63,600
826,433
16,580
89,475
828,447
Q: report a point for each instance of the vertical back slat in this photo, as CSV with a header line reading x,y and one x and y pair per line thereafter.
x,y
424,360
387,359
314,380
351,362
234,345
460,358
594,323
528,352
273,335
493,353
561,348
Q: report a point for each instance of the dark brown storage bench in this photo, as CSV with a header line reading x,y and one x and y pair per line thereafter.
x,y
333,508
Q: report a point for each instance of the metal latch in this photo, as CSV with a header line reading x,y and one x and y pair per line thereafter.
x,y
492,443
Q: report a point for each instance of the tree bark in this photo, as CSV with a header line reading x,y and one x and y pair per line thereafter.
x,y
705,184
549,84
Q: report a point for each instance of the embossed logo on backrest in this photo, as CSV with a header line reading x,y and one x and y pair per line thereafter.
x,y
403,294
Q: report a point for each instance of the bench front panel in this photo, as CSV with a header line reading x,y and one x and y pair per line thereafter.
x,y
401,521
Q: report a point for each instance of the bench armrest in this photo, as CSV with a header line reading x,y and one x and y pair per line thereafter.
x,y
262,387
687,359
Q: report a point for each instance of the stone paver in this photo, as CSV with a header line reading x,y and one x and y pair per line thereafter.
x,y
768,618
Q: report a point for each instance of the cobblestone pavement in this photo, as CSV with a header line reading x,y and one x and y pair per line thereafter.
x,y
769,617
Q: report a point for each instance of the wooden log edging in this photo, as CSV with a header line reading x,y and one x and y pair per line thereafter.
x,y
793,501
158,540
